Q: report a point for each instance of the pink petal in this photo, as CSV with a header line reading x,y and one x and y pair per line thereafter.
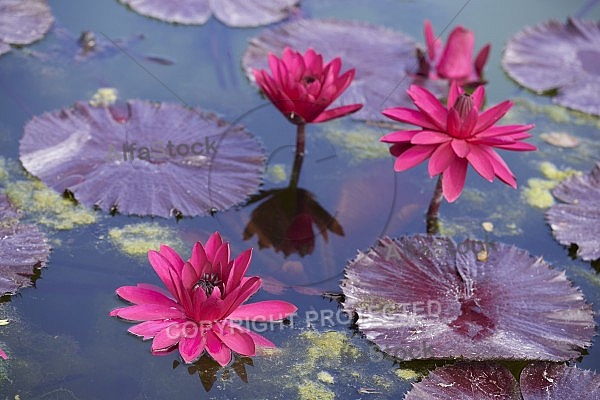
x,y
259,341
240,295
399,136
503,130
500,168
212,245
172,256
271,310
3,355
217,350
413,156
189,277
146,312
517,146
237,340
430,137
167,338
441,159
492,115
337,112
409,116
429,105
453,179
238,270
155,288
455,62
480,161
430,40
454,93
460,147
191,345
481,59
162,266
198,259
274,66
149,329
478,97
141,295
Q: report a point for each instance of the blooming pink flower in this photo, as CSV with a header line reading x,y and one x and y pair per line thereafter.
x,y
302,87
454,137
455,61
205,296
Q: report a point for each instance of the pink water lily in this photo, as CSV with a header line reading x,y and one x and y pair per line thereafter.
x,y
301,87
455,61
204,299
455,136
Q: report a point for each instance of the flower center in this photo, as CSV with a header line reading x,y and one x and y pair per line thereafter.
x,y
308,79
463,105
208,283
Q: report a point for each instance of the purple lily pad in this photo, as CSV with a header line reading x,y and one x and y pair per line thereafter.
x,y
237,13
464,301
577,219
23,22
547,381
467,381
23,249
565,57
87,151
382,58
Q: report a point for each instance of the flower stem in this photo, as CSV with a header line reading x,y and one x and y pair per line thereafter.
x,y
434,208
299,157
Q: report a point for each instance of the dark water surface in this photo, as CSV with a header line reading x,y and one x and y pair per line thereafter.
x,y
61,341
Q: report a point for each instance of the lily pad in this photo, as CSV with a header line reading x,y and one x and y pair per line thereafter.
x,y
542,381
23,22
562,57
143,158
577,219
237,13
384,59
23,249
474,300
467,381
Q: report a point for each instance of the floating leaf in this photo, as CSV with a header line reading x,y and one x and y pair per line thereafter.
x,y
238,13
23,249
542,381
145,158
560,139
475,300
382,58
557,56
577,220
23,22
467,381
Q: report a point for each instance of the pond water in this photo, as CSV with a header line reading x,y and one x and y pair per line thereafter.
x,y
62,343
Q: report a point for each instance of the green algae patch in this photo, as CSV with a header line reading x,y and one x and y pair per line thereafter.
x,y
3,170
104,97
538,192
325,377
328,348
314,391
407,374
47,207
360,143
136,239
276,173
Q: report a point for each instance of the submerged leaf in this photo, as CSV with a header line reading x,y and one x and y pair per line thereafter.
x,y
542,381
238,13
577,220
384,59
565,57
145,158
467,381
23,22
23,249
428,293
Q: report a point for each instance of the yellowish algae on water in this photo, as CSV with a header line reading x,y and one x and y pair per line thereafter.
x,y
47,207
276,173
137,239
538,192
329,348
314,391
325,377
407,374
104,97
361,143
